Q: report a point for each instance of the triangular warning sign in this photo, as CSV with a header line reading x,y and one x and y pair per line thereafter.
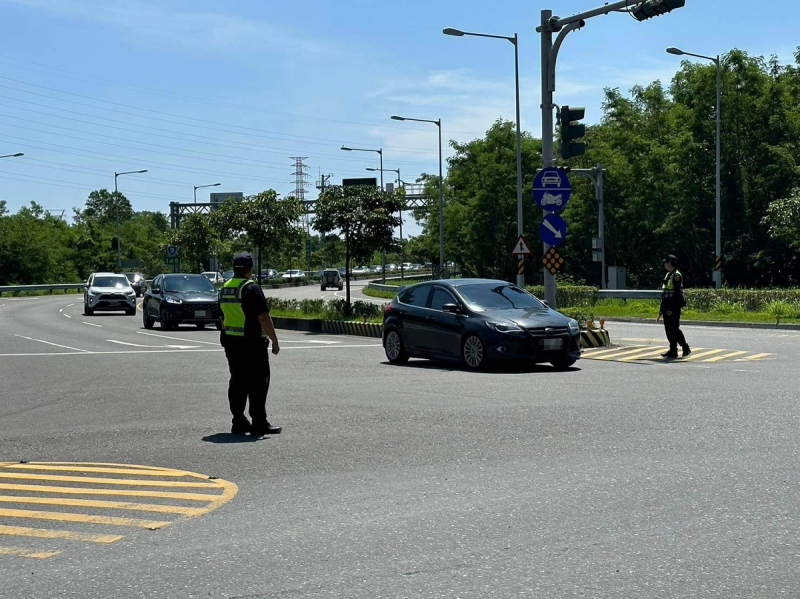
x,y
521,248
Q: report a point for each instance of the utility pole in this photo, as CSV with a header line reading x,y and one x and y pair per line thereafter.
x,y
595,175
549,25
300,176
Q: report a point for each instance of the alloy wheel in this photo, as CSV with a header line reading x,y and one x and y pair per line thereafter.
x,y
473,351
393,345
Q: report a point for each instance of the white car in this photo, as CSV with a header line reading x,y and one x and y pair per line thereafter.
x,y
215,277
408,266
551,178
549,199
360,270
108,291
294,274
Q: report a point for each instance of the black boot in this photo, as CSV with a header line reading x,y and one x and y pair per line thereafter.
x,y
264,428
673,353
240,427
686,351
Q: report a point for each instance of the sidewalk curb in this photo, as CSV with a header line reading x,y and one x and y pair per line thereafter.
x,y
333,327
715,323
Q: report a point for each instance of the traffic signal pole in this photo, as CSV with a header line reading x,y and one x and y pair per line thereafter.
x,y
641,10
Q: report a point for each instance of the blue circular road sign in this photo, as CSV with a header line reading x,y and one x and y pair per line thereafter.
x,y
553,229
551,189
172,251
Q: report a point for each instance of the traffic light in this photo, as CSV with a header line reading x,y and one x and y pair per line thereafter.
x,y
569,132
654,8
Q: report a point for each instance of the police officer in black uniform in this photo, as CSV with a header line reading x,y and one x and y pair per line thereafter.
x,y
246,342
672,301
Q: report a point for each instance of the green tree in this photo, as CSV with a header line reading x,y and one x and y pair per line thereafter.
x,y
364,216
103,205
196,239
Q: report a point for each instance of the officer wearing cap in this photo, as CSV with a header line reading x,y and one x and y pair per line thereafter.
x,y
247,326
672,301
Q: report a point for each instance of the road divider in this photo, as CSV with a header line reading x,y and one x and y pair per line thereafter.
x,y
595,338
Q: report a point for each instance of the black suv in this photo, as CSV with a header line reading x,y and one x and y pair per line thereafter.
x,y
175,299
331,277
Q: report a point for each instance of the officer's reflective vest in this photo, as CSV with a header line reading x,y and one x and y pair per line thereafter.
x,y
230,301
668,286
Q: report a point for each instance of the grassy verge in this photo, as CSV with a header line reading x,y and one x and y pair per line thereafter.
x,y
323,316
379,294
723,313
38,293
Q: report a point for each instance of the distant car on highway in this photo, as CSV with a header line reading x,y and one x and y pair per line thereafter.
x,y
137,281
293,274
377,268
105,291
408,266
175,299
227,276
360,270
331,277
215,278
476,321
391,267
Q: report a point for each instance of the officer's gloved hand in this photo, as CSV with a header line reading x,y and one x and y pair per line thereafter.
x,y
222,337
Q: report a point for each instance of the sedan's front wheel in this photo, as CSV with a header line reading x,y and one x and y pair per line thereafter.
x,y
563,363
473,352
146,320
395,348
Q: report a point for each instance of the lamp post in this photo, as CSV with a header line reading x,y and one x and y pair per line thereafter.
x,y
402,249
196,187
438,123
514,40
380,153
116,200
17,155
718,226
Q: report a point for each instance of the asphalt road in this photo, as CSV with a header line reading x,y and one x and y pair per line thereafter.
x,y
314,292
616,479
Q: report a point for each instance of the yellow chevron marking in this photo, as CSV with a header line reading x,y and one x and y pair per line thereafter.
x,y
702,354
122,492
49,533
107,481
77,468
88,518
655,352
753,357
725,357
117,505
22,552
591,352
626,353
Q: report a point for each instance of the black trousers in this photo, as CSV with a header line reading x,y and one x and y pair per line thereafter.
x,y
672,327
248,362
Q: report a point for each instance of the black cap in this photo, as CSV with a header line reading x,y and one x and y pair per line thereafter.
x,y
243,260
671,259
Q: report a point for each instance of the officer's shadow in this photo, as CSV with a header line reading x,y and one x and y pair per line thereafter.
x,y
232,438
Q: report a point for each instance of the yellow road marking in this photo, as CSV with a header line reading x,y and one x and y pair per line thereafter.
x,y
725,357
119,505
592,352
753,357
655,352
702,354
78,468
21,552
626,353
106,481
49,533
123,492
88,518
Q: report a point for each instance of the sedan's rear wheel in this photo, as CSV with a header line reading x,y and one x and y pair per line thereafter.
x,y
473,352
395,348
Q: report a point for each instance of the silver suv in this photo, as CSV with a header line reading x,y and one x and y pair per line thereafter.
x,y
331,278
108,291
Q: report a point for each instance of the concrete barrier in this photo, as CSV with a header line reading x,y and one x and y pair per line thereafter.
x,y
595,338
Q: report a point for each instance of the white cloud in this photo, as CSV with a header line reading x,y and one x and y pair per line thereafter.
x,y
189,29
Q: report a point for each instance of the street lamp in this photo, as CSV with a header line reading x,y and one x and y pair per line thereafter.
x,y
196,187
438,123
513,40
18,154
402,249
116,199
718,226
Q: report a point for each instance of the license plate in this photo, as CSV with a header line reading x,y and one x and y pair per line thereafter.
x,y
200,314
551,344
113,303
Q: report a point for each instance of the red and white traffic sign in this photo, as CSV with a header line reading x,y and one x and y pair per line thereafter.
x,y
521,248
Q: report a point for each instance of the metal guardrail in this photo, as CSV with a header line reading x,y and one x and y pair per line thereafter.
x,y
50,288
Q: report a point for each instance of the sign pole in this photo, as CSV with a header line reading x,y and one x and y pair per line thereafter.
x,y
547,137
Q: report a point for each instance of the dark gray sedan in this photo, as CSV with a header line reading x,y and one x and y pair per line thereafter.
x,y
475,321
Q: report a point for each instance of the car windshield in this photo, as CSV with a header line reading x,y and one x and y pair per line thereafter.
x,y
331,272
110,282
482,297
228,274
189,283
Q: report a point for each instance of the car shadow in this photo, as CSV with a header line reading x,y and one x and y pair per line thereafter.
x,y
232,438
496,368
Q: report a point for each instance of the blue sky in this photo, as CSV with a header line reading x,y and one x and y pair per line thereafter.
x,y
202,92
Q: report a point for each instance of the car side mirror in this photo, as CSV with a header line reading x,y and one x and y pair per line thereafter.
x,y
452,308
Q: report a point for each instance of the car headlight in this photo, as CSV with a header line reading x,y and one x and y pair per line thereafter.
x,y
574,327
505,327
173,300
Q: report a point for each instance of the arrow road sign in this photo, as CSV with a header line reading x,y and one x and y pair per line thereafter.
x,y
521,248
552,189
553,229
172,251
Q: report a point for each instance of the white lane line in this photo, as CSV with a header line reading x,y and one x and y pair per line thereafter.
x,y
83,352
50,343
91,324
66,315
70,305
61,309
178,338
153,346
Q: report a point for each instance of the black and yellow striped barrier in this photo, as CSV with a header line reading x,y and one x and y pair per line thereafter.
x,y
595,338
363,329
